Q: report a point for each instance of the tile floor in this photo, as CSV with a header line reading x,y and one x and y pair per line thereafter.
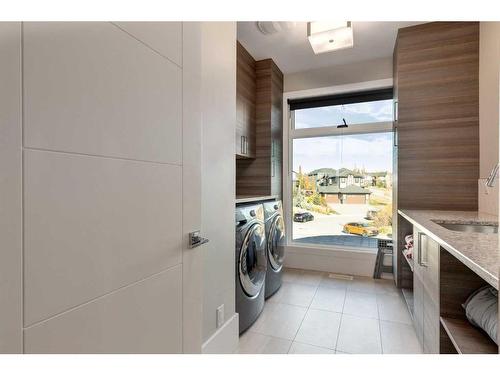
x,y
315,314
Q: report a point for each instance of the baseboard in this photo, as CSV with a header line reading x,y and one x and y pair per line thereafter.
x,y
225,339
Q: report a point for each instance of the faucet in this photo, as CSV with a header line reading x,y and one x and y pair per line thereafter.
x,y
490,181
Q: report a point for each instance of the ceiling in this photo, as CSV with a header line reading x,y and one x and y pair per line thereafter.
x,y
291,51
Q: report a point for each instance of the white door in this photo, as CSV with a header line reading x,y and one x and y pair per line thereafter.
x,y
111,175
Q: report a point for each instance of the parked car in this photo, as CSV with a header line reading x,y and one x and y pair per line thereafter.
x,y
362,229
302,217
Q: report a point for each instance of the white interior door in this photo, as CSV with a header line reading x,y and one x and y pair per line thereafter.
x,y
111,187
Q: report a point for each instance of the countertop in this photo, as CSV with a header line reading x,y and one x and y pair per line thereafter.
x,y
254,198
478,251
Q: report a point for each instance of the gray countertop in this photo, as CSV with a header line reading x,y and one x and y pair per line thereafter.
x,y
253,198
478,251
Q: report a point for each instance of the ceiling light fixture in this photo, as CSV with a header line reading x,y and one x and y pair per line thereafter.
x,y
273,27
329,36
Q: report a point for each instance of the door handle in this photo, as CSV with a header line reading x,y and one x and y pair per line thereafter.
x,y
196,240
420,250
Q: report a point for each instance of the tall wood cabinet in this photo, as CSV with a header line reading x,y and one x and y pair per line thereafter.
x,y
436,93
436,165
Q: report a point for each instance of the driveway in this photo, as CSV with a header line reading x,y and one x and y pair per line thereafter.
x,y
332,225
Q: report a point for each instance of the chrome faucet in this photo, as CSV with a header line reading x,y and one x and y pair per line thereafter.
x,y
490,181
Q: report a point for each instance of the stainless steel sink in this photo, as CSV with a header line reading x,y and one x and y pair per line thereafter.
x,y
469,227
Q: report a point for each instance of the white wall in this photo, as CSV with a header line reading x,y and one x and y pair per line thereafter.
x,y
218,182
104,209
489,103
339,75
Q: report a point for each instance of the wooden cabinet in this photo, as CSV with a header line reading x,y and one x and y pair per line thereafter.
x,y
245,103
436,93
259,174
426,291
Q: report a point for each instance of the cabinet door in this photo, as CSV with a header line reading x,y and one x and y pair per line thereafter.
x,y
418,288
430,261
245,103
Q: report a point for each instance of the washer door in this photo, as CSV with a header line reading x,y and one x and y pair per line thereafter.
x,y
252,264
275,252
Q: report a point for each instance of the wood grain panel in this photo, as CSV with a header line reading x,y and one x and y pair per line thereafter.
x,y
436,75
465,338
245,102
431,297
457,282
262,175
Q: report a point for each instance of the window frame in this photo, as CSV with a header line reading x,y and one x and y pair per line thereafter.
x,y
290,133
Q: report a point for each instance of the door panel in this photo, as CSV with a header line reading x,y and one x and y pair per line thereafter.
x,y
91,88
192,259
418,288
117,323
431,297
11,220
93,225
113,189
163,37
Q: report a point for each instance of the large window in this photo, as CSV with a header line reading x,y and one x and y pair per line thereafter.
x,y
341,177
354,114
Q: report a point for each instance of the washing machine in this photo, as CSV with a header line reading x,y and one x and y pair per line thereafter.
x,y
251,263
275,236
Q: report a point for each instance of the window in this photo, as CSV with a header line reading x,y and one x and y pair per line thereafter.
x,y
342,176
355,113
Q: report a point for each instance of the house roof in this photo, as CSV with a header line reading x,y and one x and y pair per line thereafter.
x,y
330,172
351,189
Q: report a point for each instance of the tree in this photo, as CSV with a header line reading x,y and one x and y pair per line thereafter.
x,y
304,181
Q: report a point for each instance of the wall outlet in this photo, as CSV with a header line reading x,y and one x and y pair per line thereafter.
x,y
220,316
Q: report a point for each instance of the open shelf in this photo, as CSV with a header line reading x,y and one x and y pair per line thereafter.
x,y
466,338
410,261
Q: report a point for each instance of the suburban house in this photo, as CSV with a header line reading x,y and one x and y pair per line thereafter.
x,y
340,186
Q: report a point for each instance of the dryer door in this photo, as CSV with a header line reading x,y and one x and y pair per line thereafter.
x,y
252,263
275,249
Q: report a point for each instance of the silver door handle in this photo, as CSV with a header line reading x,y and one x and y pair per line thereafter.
x,y
196,240
420,250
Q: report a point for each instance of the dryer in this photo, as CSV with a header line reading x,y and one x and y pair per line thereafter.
x,y
275,236
251,263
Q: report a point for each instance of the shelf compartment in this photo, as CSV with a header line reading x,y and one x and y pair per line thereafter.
x,y
409,261
466,338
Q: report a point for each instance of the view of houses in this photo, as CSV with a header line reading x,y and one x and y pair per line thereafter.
x,y
341,200
347,186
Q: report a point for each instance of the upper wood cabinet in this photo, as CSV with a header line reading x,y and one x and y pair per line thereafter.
x,y
259,126
245,103
436,79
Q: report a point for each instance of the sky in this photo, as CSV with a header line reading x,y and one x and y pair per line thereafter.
x,y
371,151
356,113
